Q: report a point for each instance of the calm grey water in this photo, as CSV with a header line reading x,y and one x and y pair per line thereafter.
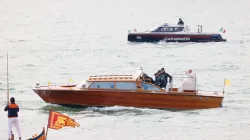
x,y
52,40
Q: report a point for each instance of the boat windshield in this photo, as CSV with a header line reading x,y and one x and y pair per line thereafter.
x,y
84,84
168,28
155,28
137,74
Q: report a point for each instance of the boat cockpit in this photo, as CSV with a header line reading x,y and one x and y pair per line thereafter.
x,y
133,83
119,82
170,28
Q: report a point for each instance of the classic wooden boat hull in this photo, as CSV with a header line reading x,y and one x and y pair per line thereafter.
x,y
129,99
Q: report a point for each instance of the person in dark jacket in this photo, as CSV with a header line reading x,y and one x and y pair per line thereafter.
x,y
13,110
164,78
146,78
157,78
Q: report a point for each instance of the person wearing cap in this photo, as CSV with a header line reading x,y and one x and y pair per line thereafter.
x,y
157,78
146,78
164,78
180,22
13,110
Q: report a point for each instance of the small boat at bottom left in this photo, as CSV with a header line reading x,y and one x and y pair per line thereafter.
x,y
42,136
56,121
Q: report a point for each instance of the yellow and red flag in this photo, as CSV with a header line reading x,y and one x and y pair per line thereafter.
x,y
58,121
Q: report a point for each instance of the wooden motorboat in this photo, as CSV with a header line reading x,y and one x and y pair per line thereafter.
x,y
130,91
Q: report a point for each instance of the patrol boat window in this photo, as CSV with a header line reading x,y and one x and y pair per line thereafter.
x,y
108,85
165,29
178,29
126,85
169,29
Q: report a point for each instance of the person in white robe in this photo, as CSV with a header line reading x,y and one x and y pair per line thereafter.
x,y
188,83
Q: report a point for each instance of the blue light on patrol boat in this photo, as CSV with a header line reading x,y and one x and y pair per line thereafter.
x,y
165,24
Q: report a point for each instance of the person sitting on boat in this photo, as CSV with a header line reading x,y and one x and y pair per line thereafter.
x,y
146,78
190,81
180,22
164,78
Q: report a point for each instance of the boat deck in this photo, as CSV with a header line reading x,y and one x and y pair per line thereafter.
x,y
210,93
73,87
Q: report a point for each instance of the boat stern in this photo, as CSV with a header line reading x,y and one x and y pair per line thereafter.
x,y
218,38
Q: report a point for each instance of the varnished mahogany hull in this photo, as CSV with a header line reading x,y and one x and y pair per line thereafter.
x,y
129,99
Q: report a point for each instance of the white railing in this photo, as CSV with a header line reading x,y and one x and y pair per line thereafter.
x,y
183,76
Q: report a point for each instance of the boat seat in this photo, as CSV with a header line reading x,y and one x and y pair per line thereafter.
x,y
189,90
173,89
188,86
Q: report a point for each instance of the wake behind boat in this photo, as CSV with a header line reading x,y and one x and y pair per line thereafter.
x,y
174,33
130,91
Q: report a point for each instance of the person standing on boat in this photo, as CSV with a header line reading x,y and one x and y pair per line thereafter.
x,y
164,78
190,80
13,110
191,76
157,78
180,22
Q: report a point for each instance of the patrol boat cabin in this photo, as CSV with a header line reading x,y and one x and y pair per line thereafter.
x,y
166,28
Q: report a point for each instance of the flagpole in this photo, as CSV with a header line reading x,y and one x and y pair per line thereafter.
x,y
224,86
8,94
48,125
